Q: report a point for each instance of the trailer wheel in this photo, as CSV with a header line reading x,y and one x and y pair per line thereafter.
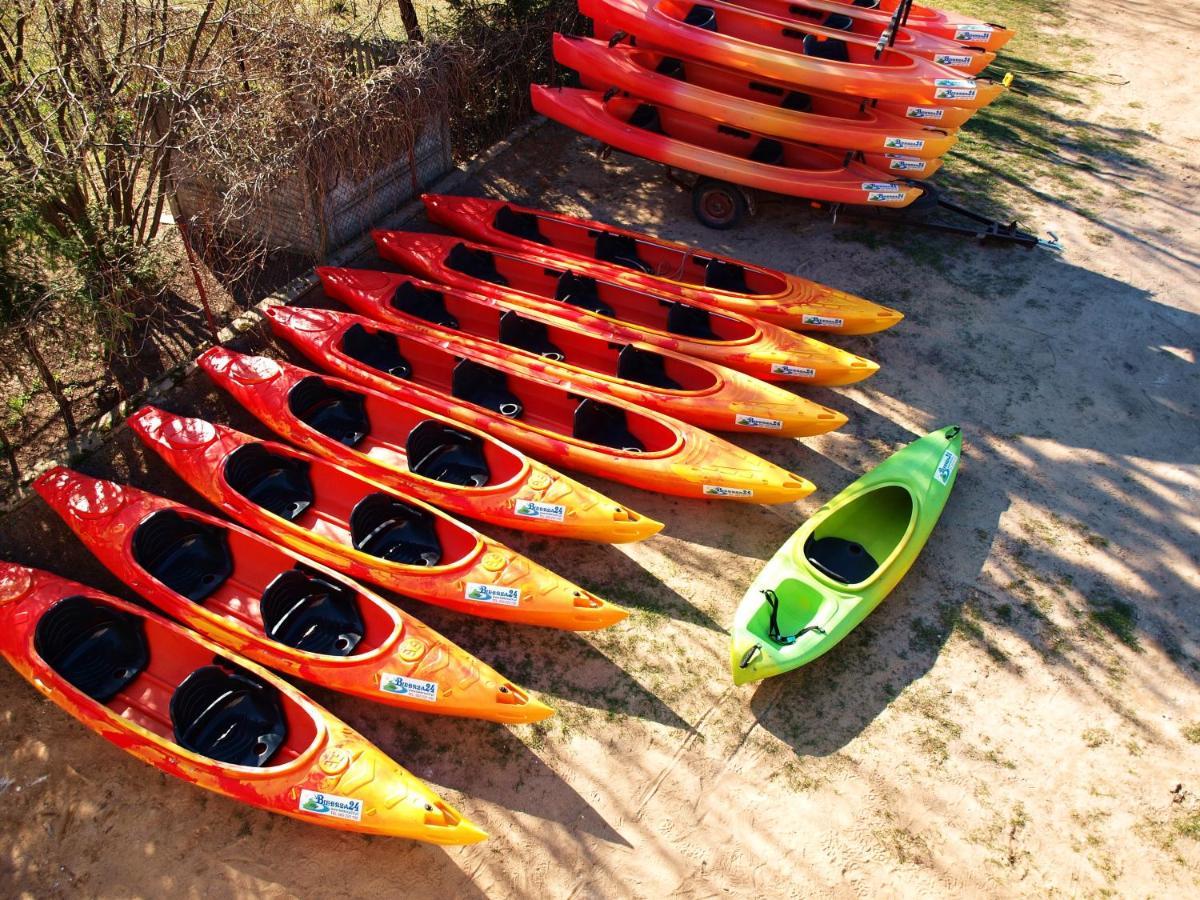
x,y
718,204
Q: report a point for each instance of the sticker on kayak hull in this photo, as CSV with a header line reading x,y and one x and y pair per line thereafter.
x,y
331,805
822,321
925,112
756,422
887,186
946,467
906,164
899,143
716,490
532,509
885,196
955,93
403,686
793,371
973,33
950,59
954,82
490,593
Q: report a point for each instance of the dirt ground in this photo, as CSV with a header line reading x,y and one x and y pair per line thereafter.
x,y
1021,717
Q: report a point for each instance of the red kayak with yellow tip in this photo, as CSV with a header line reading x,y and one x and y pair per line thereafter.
x,y
364,530
950,26
191,709
568,289
571,425
276,607
696,391
645,262
451,465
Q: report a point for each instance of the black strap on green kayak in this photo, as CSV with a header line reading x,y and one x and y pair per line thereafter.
x,y
784,640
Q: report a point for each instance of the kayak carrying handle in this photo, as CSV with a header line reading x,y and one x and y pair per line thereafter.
x,y
749,655
617,38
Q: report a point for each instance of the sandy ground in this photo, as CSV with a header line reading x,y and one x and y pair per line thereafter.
x,y
1015,720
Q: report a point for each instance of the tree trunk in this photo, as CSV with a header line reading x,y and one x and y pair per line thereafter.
x,y
49,380
7,449
408,15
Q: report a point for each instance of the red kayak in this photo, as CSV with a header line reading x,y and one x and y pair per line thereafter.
x,y
449,464
364,530
276,607
194,710
566,289
692,390
951,26
648,263
699,144
572,425
751,103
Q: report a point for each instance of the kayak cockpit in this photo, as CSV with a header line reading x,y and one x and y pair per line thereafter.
x,y
855,542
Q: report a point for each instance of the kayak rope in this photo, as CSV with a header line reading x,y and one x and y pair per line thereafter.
x,y
784,640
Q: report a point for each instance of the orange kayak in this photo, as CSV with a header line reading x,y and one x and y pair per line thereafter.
x,y
572,425
747,102
648,263
568,289
951,26
192,709
364,530
401,445
707,147
276,607
702,393
812,55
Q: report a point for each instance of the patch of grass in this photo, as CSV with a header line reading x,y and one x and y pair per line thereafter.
x,y
1191,732
1116,616
1096,737
1189,826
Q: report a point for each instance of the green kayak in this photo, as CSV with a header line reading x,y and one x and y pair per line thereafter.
x,y
843,561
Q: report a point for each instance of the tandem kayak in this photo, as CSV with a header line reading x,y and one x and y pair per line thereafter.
x,y
565,289
703,393
278,608
364,530
648,263
842,562
566,423
451,465
192,709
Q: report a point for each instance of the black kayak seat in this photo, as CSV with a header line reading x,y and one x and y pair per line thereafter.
x,y
645,367
830,48
690,321
486,387
646,117
388,528
443,453
725,276
768,151
98,649
672,67
190,557
519,224
581,291
477,263
279,484
424,304
866,4
528,334
797,101
838,21
305,610
842,560
230,716
619,249
602,423
338,414
702,17
378,349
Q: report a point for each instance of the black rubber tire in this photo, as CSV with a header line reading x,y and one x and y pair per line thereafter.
x,y
718,204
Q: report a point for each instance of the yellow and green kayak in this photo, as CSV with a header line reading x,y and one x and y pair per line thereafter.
x,y
844,560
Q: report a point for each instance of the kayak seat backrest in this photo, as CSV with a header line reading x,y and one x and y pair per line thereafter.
x,y
441,452
527,334
646,117
424,304
581,291
94,647
388,528
190,557
690,321
519,224
797,101
844,561
645,367
476,263
304,610
702,17
232,717
378,349
831,49
619,249
866,4
279,484
338,414
768,151
838,21
672,67
485,386
602,423
725,276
